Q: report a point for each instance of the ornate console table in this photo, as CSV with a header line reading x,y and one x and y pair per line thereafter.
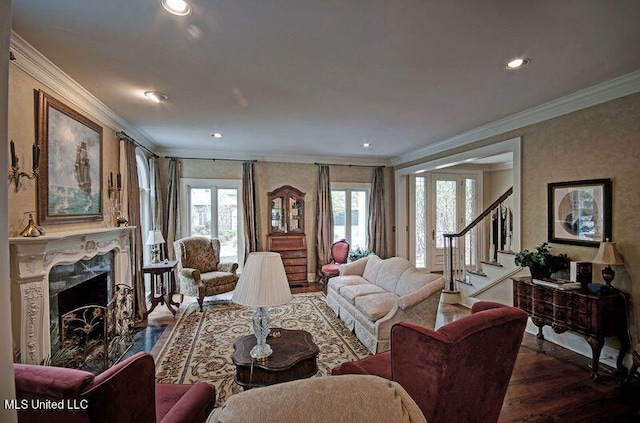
x,y
595,317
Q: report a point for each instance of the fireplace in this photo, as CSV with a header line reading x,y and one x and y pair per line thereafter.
x,y
35,288
78,298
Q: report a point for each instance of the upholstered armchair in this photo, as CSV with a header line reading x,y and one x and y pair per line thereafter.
x,y
124,393
458,373
200,273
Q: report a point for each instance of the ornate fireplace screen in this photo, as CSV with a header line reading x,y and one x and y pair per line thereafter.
x,y
120,322
95,337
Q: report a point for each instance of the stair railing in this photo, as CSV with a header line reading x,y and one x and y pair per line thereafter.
x,y
455,245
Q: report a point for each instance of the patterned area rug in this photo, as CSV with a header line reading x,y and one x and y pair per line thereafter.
x,y
201,344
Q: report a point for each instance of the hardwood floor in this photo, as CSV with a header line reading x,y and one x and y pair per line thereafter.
x,y
549,383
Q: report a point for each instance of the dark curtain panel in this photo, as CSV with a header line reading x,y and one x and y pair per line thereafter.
x,y
133,212
172,216
377,215
323,219
249,209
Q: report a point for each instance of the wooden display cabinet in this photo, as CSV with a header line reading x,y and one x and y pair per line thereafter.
x,y
286,232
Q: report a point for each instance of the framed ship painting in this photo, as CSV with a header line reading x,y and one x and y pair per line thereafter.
x,y
579,212
70,180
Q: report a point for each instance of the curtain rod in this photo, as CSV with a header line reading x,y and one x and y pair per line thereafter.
x,y
350,165
210,158
124,135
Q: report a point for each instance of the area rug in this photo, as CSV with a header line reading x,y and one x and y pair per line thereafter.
x,y
201,344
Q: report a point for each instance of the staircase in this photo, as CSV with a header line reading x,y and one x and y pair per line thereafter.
x,y
470,276
492,273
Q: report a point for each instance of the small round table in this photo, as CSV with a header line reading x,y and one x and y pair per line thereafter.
x,y
294,357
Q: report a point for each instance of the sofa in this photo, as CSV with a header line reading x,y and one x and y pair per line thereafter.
x,y
200,272
371,294
330,399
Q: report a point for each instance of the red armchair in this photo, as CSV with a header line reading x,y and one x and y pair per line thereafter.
x,y
124,393
339,255
459,373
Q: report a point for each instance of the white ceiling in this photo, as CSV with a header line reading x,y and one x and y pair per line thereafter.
x,y
316,78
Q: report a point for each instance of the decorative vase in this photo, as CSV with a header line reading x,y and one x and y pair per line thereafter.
x,y
540,272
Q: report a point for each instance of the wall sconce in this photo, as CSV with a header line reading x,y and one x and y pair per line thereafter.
x,y
15,174
118,187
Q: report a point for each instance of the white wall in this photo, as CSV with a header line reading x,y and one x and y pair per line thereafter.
x,y
7,387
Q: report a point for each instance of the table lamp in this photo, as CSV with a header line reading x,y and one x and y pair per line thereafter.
x,y
154,239
608,254
263,283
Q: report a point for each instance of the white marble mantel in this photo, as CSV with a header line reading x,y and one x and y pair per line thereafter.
x,y
31,259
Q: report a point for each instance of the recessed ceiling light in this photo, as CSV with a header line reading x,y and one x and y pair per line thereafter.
x,y
518,63
155,96
176,7
216,135
366,144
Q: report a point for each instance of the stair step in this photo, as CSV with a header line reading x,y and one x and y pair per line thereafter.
x,y
463,281
477,273
513,253
492,263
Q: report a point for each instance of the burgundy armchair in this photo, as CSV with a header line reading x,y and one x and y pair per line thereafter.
x,y
458,373
339,255
124,393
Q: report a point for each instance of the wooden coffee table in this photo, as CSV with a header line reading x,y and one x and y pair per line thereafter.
x,y
294,357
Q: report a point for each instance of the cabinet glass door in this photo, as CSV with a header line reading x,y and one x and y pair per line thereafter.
x,y
277,215
295,215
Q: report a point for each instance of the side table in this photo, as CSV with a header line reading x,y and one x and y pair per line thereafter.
x,y
165,296
294,357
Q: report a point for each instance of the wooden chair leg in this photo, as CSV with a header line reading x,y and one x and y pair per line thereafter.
x,y
200,302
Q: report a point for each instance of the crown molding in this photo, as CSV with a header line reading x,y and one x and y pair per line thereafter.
x,y
274,158
35,64
600,93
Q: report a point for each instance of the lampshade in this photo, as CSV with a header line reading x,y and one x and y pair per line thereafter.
x,y
263,282
155,237
608,254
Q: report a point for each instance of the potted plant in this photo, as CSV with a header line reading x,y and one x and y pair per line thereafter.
x,y
358,253
541,262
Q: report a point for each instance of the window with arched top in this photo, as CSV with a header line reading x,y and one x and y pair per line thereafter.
x,y
144,180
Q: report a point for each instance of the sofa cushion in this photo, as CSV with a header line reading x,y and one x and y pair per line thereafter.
x,y
217,278
339,282
350,292
390,271
371,269
375,306
412,280
199,255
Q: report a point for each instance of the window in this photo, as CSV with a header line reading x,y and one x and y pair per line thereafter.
x,y
213,209
145,201
350,203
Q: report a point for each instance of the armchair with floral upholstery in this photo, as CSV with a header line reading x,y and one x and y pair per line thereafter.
x,y
200,273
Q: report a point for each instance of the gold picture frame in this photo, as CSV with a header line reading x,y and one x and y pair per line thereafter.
x,y
70,180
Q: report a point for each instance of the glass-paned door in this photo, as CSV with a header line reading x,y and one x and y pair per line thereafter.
x,y
228,224
454,200
350,215
214,211
421,242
